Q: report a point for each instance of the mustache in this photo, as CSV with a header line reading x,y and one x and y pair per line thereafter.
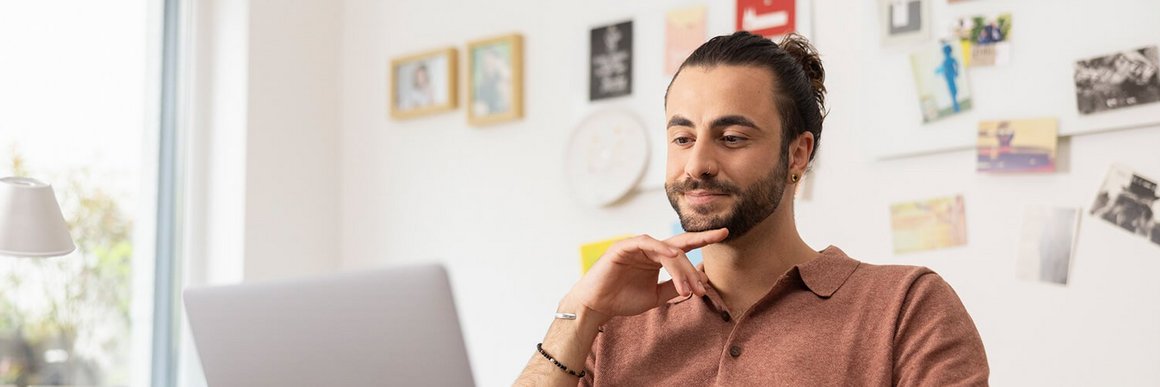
x,y
711,185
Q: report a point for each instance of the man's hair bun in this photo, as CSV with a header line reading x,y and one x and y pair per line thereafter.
x,y
807,57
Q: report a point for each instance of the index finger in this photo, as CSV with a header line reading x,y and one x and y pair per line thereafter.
x,y
695,240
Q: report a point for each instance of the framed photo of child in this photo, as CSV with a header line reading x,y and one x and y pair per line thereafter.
x,y
424,83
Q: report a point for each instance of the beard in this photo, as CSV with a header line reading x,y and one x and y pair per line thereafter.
x,y
754,203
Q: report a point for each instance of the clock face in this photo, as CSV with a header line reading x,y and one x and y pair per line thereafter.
x,y
606,157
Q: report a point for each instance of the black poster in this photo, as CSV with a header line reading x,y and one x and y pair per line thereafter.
x,y
610,68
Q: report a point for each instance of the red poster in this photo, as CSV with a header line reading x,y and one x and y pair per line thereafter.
x,y
766,17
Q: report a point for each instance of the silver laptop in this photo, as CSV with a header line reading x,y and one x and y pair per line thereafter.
x,y
384,327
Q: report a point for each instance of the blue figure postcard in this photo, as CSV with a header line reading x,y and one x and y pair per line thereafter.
x,y
941,79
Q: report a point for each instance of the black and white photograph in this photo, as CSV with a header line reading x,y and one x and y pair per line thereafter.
x,y
1128,200
1047,243
610,61
1119,80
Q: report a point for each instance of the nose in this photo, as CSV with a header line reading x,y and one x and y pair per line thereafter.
x,y
702,161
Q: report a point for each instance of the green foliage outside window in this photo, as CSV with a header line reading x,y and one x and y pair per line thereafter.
x,y
66,320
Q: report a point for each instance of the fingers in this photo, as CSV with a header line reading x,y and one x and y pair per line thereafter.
x,y
666,291
686,281
648,247
690,277
694,240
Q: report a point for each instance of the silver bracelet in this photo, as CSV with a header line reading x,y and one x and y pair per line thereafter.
x,y
566,316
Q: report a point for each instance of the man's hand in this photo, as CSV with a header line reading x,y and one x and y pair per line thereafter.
x,y
624,281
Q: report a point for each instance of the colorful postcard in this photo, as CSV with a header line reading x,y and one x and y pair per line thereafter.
x,y
610,62
1128,200
928,225
766,17
591,252
1046,244
495,80
1018,145
904,21
684,31
985,39
941,80
1119,80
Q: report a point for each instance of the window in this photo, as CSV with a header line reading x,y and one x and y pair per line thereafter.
x,y
75,112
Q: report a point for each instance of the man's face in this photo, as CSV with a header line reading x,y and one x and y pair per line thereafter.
x,y
725,164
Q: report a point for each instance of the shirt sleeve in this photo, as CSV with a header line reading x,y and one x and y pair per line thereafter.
x,y
936,342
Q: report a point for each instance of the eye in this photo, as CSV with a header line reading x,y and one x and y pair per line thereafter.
x,y
732,140
682,140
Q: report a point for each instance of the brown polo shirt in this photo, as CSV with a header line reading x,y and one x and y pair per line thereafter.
x,y
832,321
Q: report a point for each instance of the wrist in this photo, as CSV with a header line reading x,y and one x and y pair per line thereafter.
x,y
569,340
585,316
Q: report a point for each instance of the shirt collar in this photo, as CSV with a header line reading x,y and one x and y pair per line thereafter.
x,y
823,275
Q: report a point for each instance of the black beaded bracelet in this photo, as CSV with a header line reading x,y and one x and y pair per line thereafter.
x,y
540,347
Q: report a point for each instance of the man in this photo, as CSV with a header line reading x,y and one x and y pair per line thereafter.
x,y
744,120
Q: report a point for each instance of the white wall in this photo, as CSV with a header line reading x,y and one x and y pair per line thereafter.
x,y
262,139
292,143
492,203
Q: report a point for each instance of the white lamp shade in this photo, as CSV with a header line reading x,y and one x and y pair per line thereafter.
x,y
31,224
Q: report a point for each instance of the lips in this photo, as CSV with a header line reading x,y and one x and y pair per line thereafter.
x,y
701,192
703,196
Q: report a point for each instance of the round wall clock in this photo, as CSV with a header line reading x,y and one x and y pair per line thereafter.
x,y
607,156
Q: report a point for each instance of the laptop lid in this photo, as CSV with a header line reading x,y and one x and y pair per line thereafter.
x,y
382,327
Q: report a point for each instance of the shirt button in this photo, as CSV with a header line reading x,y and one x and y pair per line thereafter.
x,y
735,351
725,316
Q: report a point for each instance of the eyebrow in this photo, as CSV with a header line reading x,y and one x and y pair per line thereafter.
x,y
733,120
720,122
679,121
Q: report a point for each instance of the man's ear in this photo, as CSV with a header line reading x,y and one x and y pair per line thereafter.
x,y
800,151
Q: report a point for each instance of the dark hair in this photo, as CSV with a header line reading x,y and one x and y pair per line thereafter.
x,y
798,78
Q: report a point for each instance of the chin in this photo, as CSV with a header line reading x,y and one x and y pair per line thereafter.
x,y
694,221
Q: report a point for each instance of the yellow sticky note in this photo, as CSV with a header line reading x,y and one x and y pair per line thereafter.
x,y
591,252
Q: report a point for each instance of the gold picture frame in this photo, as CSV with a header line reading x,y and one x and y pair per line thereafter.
x,y
424,83
495,80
